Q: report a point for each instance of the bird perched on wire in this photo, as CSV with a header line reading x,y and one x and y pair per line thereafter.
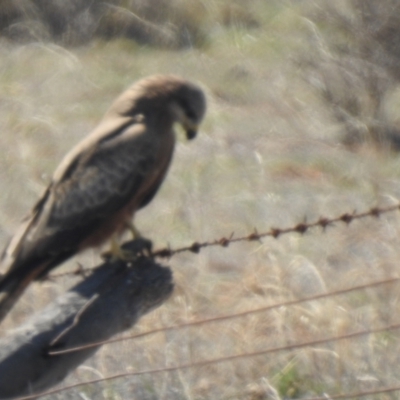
x,y
103,181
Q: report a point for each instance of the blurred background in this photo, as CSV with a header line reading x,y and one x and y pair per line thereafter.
x,y
303,122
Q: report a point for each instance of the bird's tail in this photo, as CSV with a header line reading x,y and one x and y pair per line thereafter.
x,y
13,285
21,273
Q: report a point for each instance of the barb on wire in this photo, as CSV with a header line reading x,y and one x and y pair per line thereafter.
x,y
245,355
301,228
226,317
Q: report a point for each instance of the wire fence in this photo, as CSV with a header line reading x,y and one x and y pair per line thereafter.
x,y
276,233
301,228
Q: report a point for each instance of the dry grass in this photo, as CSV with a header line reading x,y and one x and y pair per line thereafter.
x,y
353,62
267,156
163,23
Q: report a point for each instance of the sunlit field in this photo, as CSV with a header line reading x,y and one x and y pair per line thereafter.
x,y
269,154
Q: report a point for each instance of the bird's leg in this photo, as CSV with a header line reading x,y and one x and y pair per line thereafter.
x,y
116,249
116,252
134,231
143,245
131,250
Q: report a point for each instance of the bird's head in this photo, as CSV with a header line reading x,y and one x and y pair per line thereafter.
x,y
181,100
189,108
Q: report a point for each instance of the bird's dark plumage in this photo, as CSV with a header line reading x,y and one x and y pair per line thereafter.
x,y
101,182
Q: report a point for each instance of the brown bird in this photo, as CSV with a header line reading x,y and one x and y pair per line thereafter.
x,y
103,181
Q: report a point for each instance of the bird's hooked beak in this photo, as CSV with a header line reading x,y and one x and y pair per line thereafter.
x,y
188,125
191,131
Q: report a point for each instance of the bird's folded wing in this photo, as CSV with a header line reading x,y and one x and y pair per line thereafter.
x,y
101,181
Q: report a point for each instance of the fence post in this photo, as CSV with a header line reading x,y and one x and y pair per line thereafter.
x,y
107,302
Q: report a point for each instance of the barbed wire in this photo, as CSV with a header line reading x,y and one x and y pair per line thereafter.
x,y
227,317
234,357
195,247
301,228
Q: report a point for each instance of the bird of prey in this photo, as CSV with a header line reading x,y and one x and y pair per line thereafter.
x,y
103,181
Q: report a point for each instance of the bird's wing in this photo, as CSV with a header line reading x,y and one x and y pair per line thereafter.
x,y
98,182
104,180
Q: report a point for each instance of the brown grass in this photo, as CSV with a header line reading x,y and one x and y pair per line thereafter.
x,y
267,156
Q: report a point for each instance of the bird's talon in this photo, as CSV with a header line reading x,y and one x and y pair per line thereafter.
x,y
140,247
129,251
